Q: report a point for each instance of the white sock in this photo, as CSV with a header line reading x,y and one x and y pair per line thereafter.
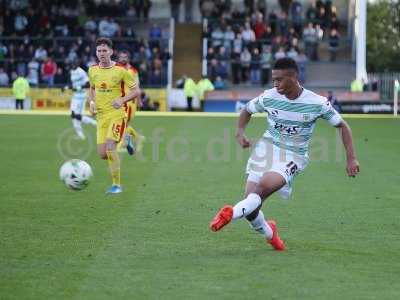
x,y
78,128
89,120
260,225
246,206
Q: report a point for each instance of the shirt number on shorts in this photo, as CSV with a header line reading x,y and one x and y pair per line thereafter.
x,y
116,128
291,168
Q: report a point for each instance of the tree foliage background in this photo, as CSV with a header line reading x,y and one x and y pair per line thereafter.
x,y
383,36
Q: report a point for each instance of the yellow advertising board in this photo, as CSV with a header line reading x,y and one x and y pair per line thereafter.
x,y
56,99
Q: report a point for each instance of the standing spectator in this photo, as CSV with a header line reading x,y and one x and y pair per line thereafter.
x,y
33,72
255,66
245,59
60,78
204,85
285,5
248,35
217,37
207,8
280,53
333,44
310,40
297,16
236,67
4,79
40,54
237,44
259,26
190,90
20,90
20,24
283,23
311,13
229,36
301,64
175,6
155,34
146,9
266,61
49,70
3,52
108,27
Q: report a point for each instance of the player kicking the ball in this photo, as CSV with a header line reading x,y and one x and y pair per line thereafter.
x,y
282,152
107,98
79,81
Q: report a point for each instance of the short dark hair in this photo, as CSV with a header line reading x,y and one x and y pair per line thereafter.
x,y
105,41
286,63
125,52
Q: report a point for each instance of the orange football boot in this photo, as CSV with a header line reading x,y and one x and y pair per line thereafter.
x,y
276,241
223,217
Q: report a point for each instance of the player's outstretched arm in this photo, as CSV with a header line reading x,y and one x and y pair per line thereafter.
x,y
353,166
241,138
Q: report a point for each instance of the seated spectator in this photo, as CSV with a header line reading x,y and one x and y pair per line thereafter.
x,y
155,78
219,83
292,53
222,54
4,79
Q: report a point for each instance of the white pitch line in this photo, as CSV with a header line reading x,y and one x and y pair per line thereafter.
x,y
177,114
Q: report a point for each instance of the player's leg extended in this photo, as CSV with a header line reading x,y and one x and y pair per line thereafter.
x,y
76,117
132,133
260,224
115,132
268,184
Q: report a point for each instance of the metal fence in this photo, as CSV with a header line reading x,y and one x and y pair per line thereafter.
x,y
385,84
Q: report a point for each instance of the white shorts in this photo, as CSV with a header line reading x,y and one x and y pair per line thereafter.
x,y
78,103
267,157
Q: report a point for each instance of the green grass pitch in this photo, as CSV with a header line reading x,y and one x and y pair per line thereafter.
x,y
153,241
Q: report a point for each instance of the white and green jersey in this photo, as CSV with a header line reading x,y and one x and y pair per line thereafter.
x,y
291,122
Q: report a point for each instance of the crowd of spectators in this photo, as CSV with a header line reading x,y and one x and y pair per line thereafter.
x,y
41,38
243,44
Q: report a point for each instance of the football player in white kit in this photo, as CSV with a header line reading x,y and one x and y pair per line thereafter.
x,y
79,80
282,152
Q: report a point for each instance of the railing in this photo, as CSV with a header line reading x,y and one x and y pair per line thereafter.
x,y
385,84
